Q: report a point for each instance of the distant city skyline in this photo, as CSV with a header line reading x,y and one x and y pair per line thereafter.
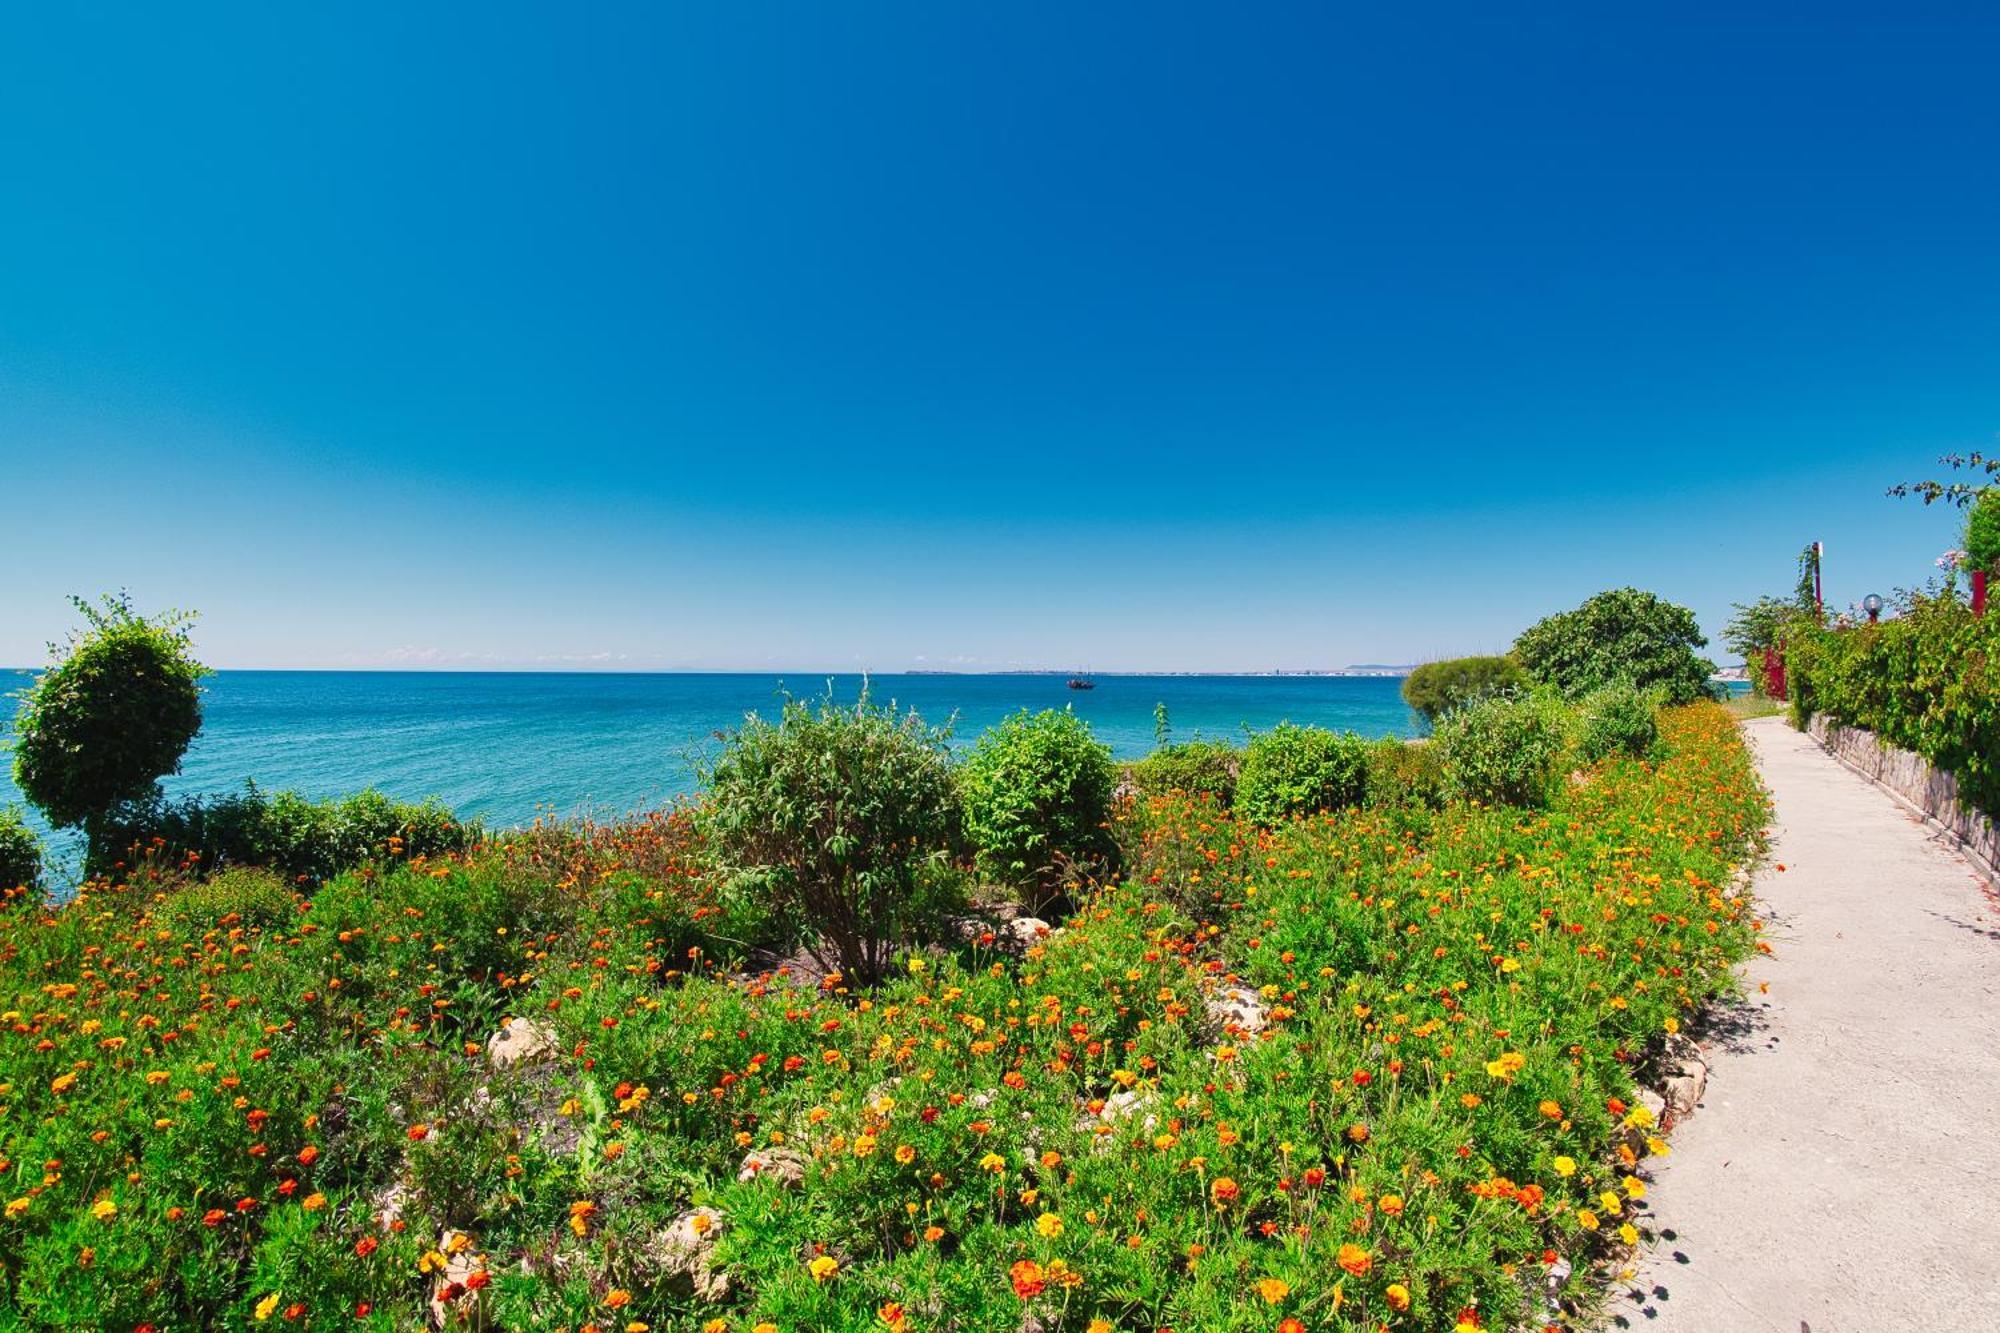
x,y
894,337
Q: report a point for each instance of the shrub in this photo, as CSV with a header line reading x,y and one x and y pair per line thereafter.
x,y
1619,636
306,841
110,717
1435,688
1402,775
1038,800
1292,770
20,854
246,896
1620,719
1507,751
1982,531
1194,768
846,820
1928,681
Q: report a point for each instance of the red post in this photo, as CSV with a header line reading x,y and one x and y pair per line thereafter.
x,y
1774,672
1978,592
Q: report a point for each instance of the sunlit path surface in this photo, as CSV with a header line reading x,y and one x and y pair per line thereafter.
x,y
1838,1176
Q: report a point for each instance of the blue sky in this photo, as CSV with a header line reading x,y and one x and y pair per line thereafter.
x,y
1153,336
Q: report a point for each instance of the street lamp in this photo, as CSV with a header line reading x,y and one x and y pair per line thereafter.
x,y
1872,604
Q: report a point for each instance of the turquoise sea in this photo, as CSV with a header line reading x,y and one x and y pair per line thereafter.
x,y
509,746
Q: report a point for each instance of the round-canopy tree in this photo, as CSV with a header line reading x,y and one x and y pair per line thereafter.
x,y
111,716
1623,636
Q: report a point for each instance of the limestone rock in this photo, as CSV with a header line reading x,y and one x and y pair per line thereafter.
x,y
685,1252
1235,1011
519,1040
786,1166
1027,931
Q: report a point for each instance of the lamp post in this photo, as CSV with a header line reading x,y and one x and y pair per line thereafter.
x,y
1872,604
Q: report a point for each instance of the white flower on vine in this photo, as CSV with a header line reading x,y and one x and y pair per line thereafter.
x,y
1951,560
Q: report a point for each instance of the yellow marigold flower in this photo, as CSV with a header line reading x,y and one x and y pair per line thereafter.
x,y
905,1153
1629,1234
1565,1166
1100,1326
1611,1203
766,1327
1586,1219
1635,1188
864,1145
1657,1146
1049,1225
157,1077
104,1210
268,1306
313,1202
993,1162
716,1326
1273,1290
16,1208
1398,1297
824,1267
62,1083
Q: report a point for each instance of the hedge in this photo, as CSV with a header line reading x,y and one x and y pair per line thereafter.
x,y
1928,681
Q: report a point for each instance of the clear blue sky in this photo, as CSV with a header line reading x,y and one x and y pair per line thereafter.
x,y
927,334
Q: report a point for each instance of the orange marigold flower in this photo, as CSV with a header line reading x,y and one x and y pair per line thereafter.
x,y
1027,1278
1225,1191
1354,1259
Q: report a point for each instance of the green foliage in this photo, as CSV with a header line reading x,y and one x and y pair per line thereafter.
x,y
1982,531
20,854
1195,768
1404,775
1508,751
1623,635
1620,719
1982,469
300,1068
111,716
304,840
1927,680
1038,793
1754,627
845,820
1435,688
246,896
1291,770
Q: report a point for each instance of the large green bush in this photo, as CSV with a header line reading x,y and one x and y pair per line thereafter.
x,y
1624,635
20,853
1292,770
1435,688
245,896
1927,680
1620,719
846,821
1038,793
304,840
1404,775
1982,531
110,717
1507,751
1194,768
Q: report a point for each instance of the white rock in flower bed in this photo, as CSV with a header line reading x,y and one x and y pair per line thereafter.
x,y
1235,1010
519,1040
1028,930
786,1166
685,1252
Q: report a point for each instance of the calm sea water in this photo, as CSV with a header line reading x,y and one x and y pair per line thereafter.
x,y
507,747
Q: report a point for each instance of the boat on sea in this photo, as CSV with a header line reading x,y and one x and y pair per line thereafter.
x,y
1082,683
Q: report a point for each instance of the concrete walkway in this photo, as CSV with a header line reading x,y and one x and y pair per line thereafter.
x,y
1842,1174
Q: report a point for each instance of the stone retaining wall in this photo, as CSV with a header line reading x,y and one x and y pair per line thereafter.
x,y
1916,780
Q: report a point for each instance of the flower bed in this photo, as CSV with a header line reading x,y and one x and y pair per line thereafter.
x,y
1368,1068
